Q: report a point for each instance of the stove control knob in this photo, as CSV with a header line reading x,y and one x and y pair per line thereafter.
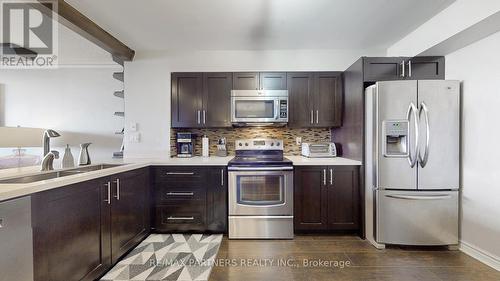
x,y
240,144
272,144
278,144
246,144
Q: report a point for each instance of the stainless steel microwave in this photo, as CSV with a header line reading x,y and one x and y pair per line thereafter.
x,y
259,107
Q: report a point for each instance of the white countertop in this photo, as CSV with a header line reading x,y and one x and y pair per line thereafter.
x,y
10,191
335,161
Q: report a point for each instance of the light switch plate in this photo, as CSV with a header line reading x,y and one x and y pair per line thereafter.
x,y
133,127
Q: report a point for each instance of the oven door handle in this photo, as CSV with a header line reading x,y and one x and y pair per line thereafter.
x,y
287,168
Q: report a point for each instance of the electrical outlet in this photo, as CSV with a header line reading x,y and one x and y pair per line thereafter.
x,y
298,140
135,137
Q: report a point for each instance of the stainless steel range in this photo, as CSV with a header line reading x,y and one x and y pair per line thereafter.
x,y
260,191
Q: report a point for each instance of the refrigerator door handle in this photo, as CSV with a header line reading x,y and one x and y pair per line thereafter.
x,y
412,110
428,197
425,110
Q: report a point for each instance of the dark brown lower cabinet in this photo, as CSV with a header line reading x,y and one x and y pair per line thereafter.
x,y
130,212
190,199
73,229
326,198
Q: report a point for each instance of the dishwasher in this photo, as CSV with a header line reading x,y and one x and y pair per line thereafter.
x,y
16,240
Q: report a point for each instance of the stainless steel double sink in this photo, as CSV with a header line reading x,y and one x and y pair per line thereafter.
x,y
57,174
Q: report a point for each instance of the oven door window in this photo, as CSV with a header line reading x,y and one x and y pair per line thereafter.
x,y
265,190
254,109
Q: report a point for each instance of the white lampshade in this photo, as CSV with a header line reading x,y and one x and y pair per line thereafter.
x,y
21,137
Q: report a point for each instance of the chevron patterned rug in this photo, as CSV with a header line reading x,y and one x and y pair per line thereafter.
x,y
168,257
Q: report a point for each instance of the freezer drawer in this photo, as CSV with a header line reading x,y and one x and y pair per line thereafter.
x,y
417,217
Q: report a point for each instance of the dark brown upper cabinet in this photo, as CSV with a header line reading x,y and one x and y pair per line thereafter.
x,y
187,100
402,68
382,68
421,68
326,198
246,81
315,99
259,81
201,100
272,80
300,94
217,99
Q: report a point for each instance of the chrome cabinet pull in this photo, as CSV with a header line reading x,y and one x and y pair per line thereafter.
x,y
204,116
409,68
199,117
222,177
331,176
312,116
117,196
402,69
109,193
317,116
180,193
324,177
180,218
180,173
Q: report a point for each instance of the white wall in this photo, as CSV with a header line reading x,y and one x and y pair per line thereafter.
x,y
77,102
454,19
478,66
147,83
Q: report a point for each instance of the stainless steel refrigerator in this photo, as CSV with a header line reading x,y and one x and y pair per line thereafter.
x,y
412,138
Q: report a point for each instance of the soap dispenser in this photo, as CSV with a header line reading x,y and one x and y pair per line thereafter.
x,y
68,160
84,158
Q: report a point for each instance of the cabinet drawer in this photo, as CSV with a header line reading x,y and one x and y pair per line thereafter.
x,y
186,217
178,174
180,192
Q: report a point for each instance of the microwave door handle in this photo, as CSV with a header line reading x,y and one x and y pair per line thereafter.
x,y
276,109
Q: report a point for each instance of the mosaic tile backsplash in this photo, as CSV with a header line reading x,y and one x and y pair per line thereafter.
x,y
288,136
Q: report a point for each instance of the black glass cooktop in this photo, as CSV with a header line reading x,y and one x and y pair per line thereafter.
x,y
260,161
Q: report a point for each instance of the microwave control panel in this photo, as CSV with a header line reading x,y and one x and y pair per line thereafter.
x,y
283,109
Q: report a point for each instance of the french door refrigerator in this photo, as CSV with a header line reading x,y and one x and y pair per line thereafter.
x,y
412,137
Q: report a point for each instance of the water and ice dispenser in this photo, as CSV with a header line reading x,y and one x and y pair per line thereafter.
x,y
396,138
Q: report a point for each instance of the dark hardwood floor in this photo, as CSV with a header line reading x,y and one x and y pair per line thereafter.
x,y
360,261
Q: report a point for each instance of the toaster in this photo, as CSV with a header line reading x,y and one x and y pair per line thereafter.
x,y
319,150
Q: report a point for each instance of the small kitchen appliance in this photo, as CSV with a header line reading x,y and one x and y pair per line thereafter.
x,y
319,150
185,144
259,107
221,148
260,182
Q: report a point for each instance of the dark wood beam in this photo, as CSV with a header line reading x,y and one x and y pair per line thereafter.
x,y
79,23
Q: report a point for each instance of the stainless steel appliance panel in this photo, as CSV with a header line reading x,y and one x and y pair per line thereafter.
x,y
261,227
260,192
439,148
396,101
16,240
259,106
417,217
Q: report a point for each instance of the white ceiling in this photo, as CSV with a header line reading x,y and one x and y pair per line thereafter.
x,y
259,24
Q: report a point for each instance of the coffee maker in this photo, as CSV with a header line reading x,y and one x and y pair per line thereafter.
x,y
185,144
